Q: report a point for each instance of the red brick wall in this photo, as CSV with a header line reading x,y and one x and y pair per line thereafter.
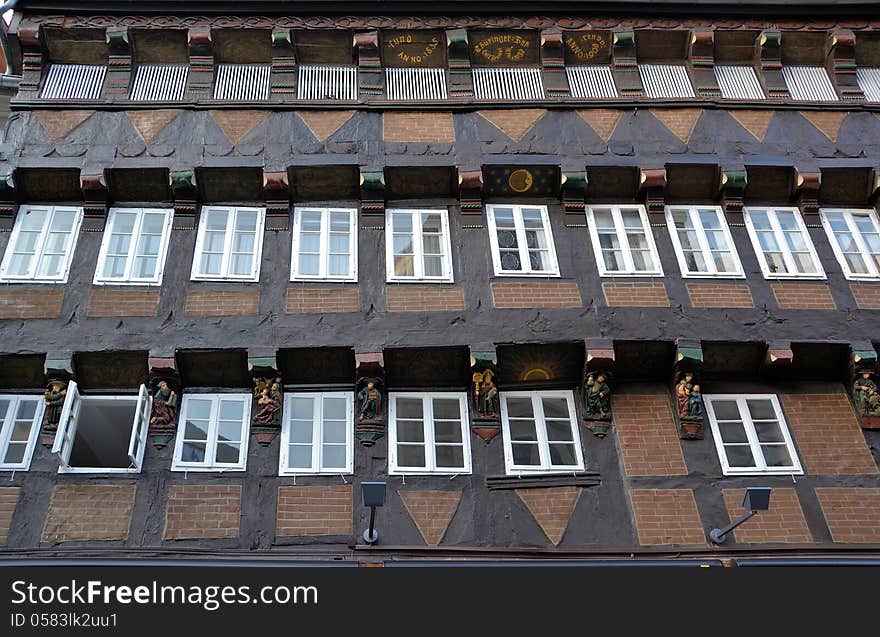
x,y
635,294
322,300
514,123
551,507
27,304
432,511
852,514
222,303
803,296
543,294
648,436
783,522
424,298
417,127
667,516
89,512
202,511
109,302
8,500
720,295
867,295
317,510
827,435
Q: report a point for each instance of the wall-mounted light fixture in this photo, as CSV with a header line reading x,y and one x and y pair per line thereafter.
x,y
757,499
373,494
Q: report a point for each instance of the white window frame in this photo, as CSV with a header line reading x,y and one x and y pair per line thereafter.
x,y
784,248
65,436
427,399
620,230
8,424
211,442
522,246
227,245
693,211
418,246
541,429
317,468
39,252
873,271
749,427
127,278
324,256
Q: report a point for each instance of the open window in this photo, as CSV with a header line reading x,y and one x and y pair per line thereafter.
x,y
102,434
20,420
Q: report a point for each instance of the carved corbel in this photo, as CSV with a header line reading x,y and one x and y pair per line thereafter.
x,y
652,185
553,63
596,390
486,421
770,46
625,65
843,65
373,193
687,394
183,188
283,78
31,60
370,78
370,398
460,79
703,63
95,192
807,186
165,388
58,373
119,60
733,186
574,192
470,191
865,391
201,61
8,205
268,397
277,193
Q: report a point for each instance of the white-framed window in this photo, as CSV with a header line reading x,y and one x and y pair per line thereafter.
x,y
751,436
41,244
324,244
213,432
622,241
540,432
855,239
20,420
229,244
318,433
417,245
782,243
702,242
134,246
522,240
428,433
102,434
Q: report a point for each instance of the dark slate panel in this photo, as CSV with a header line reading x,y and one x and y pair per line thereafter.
x,y
214,368
440,367
159,46
317,365
22,371
110,370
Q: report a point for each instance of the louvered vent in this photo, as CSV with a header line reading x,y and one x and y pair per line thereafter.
x,y
246,82
869,82
327,83
154,83
666,80
738,83
74,82
415,84
508,84
809,84
591,81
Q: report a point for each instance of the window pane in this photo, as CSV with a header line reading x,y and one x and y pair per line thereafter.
x,y
301,431
229,431
339,265
562,455
334,431
523,430
409,408
519,407
526,455
769,432
310,221
193,452
739,456
246,221
27,409
725,409
333,457
299,457
410,455
450,457
776,455
241,264
231,410
309,264
303,408
732,432
21,431
227,453
198,409
761,409
410,431
558,431
446,431
4,407
15,454
555,407
447,409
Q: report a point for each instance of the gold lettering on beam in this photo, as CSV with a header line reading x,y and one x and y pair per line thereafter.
x,y
508,47
586,46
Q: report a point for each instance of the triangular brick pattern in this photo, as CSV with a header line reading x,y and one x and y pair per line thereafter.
x,y
325,123
551,507
680,121
601,120
236,124
826,121
59,124
148,124
514,123
756,122
432,511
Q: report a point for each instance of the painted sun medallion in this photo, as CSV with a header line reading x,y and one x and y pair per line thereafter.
x,y
520,180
